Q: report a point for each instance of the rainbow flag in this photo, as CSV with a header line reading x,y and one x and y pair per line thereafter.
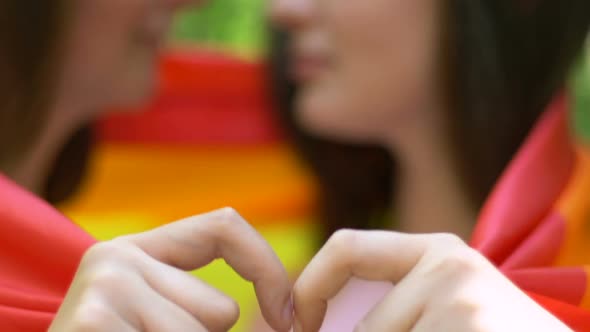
x,y
208,139
536,224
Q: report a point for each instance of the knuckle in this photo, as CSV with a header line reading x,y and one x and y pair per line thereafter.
x,y
299,292
108,279
106,251
342,242
229,213
98,252
228,218
91,315
226,314
459,261
448,241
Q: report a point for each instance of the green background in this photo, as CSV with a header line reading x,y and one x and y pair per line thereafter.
x,y
581,88
237,26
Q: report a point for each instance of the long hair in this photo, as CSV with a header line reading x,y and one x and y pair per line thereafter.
x,y
29,54
31,37
504,61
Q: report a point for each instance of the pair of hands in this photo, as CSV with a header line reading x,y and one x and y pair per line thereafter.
x,y
139,283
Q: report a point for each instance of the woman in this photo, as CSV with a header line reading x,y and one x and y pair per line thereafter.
x,y
450,90
62,63
357,174
135,283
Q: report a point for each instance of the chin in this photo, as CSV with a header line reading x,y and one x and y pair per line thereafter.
x,y
334,119
334,122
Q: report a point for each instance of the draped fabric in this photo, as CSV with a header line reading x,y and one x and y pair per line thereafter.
x,y
39,253
536,225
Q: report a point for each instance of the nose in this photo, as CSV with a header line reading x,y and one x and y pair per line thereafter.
x,y
290,14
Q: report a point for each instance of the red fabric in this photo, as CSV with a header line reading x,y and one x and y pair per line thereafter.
x,y
527,223
577,318
527,191
202,99
39,253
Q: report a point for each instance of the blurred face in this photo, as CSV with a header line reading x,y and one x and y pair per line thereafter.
x,y
365,68
111,49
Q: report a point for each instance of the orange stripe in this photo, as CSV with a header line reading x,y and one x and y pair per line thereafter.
x,y
574,206
264,183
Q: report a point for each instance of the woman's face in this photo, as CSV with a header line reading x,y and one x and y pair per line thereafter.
x,y
365,67
111,48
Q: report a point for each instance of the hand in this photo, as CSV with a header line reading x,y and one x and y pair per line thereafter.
x,y
139,283
440,285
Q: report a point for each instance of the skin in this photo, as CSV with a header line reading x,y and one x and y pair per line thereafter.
x,y
138,283
440,285
110,51
368,72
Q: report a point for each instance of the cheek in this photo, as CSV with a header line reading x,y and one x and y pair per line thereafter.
x,y
382,70
357,103
103,54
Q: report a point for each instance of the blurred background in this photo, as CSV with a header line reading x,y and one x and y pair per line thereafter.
x,y
236,27
210,139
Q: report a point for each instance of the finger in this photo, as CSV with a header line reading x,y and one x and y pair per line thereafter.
x,y
402,307
93,315
159,314
194,242
149,311
125,292
99,292
120,288
114,323
215,310
376,255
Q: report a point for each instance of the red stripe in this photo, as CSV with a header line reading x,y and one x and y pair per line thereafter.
x,y
526,193
542,246
562,284
203,99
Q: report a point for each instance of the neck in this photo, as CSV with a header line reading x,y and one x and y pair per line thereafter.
x,y
429,196
33,169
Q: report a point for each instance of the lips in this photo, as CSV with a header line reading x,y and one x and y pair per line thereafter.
x,y
308,67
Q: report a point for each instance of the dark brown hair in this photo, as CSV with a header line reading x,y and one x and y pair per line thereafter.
x,y
70,166
30,38
505,61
